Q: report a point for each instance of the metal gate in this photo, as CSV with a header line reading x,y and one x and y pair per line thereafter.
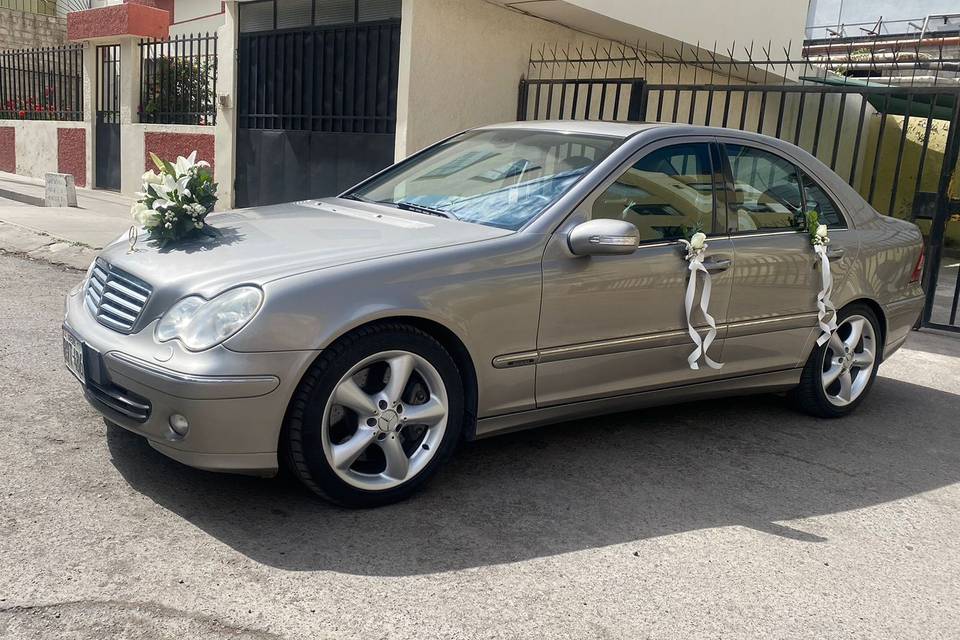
x,y
317,109
107,133
898,144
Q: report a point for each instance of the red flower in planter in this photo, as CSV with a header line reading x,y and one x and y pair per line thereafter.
x,y
22,114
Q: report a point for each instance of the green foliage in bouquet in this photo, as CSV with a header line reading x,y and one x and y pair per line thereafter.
x,y
174,203
819,234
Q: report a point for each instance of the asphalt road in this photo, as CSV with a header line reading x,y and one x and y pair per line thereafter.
x,y
736,519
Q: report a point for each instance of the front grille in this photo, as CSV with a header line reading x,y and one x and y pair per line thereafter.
x,y
114,297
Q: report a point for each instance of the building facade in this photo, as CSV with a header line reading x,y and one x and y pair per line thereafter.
x,y
312,95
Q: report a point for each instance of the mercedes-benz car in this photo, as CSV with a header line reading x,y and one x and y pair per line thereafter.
x,y
506,277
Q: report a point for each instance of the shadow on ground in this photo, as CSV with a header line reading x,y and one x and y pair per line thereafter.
x,y
743,461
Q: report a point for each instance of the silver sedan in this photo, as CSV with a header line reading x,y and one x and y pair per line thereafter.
x,y
507,277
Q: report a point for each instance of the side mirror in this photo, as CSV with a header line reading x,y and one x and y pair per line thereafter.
x,y
603,237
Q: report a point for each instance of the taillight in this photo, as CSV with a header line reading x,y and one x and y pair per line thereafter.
x,y
918,268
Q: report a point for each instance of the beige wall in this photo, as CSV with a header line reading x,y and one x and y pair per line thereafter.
x,y
460,62
706,21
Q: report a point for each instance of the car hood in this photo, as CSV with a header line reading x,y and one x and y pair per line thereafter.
x,y
265,243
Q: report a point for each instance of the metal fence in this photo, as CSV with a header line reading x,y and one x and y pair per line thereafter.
x,y
42,84
178,79
334,79
885,120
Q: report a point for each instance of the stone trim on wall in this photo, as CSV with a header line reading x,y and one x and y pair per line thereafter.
x,y
118,20
8,149
72,154
170,145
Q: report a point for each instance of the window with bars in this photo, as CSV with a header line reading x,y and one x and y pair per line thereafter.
x,y
178,79
268,15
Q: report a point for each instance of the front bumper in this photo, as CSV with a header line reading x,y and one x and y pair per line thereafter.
x,y
234,402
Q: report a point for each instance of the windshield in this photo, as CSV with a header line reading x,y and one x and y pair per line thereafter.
x,y
498,177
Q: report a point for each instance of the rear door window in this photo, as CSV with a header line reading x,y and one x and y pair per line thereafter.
x,y
766,194
817,200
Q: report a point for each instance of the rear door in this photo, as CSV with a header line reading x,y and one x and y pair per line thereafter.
x,y
773,311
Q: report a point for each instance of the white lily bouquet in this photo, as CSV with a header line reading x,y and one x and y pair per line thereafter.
x,y
174,203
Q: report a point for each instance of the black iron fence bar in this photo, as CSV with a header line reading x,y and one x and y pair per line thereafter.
x,y
178,78
42,84
938,228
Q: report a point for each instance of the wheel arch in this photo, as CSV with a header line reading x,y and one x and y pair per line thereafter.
x,y
446,337
877,309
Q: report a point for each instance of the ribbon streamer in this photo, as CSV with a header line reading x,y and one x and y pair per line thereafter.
x,y
824,304
695,260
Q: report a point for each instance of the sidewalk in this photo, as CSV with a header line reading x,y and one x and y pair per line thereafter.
x,y
69,236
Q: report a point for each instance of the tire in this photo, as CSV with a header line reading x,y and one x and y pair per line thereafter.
x,y
317,425
816,399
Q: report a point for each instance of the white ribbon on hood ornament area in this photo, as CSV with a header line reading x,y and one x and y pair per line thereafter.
x,y
696,248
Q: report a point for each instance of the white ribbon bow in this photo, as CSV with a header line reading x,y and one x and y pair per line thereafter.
x,y
824,305
695,259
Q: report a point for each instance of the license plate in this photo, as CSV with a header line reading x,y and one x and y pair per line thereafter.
x,y
73,355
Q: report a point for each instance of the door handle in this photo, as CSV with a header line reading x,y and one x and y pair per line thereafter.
x,y
717,264
835,252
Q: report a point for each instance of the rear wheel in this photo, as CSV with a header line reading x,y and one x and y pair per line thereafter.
x,y
375,417
839,374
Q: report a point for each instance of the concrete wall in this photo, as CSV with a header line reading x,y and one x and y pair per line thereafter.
x,y
20,30
41,146
197,16
460,62
167,141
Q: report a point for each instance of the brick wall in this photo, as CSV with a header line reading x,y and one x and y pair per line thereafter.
x,y
19,30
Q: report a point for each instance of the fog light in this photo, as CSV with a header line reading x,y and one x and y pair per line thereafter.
x,y
179,424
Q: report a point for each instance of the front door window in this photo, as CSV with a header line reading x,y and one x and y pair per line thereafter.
x,y
667,194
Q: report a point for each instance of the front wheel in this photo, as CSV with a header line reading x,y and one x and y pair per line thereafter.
x,y
839,374
375,416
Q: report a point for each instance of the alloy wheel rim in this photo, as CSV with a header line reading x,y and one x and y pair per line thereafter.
x,y
848,361
385,420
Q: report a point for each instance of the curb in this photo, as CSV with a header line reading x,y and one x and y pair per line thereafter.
x,y
21,197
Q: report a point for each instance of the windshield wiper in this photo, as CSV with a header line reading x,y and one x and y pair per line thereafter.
x,y
351,196
419,208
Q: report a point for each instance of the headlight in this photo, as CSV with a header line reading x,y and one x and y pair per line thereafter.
x,y
200,324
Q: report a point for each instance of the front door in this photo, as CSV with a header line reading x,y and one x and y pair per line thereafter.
x,y
612,325
773,311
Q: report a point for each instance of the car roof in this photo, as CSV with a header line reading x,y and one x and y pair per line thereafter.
x,y
627,129
593,127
